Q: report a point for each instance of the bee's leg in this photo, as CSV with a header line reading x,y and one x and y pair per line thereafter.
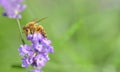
x,y
43,33
32,30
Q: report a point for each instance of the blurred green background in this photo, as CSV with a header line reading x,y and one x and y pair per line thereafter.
x,y
85,35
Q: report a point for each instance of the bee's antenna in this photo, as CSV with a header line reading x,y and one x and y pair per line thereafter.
x,y
41,19
35,19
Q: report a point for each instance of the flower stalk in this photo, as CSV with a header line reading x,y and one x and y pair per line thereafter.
x,y
19,27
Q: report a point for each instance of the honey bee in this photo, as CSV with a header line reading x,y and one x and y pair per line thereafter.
x,y
32,27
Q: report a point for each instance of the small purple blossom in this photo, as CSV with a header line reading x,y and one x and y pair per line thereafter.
x,y
25,49
25,62
36,54
35,71
12,8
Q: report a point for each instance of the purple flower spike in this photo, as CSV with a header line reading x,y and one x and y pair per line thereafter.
x,y
12,8
36,54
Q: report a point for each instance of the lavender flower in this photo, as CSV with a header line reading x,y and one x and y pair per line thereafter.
x,y
36,54
12,8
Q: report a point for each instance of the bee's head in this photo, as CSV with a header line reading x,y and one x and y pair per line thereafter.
x,y
26,30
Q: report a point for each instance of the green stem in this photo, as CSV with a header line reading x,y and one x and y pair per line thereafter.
x,y
19,27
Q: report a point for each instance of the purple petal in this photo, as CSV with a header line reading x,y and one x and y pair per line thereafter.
x,y
24,49
46,42
29,37
51,49
38,47
40,60
37,37
25,62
